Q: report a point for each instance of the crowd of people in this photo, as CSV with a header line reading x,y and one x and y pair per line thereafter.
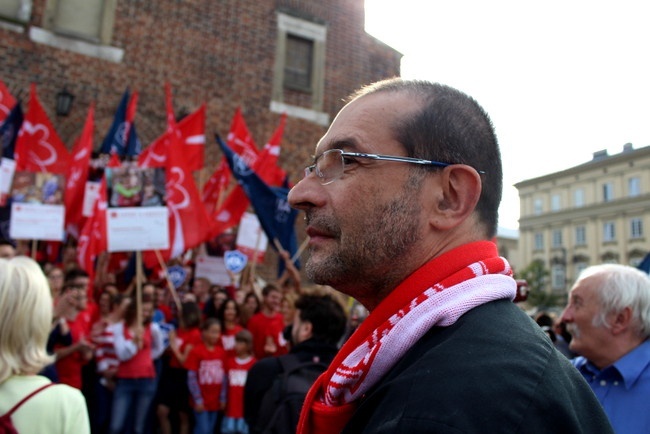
x,y
170,361
440,348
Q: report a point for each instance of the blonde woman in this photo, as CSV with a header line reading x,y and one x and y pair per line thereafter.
x,y
25,322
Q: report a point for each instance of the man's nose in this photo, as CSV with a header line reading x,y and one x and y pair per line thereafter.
x,y
306,194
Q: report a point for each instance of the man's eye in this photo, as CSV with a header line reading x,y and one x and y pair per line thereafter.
x,y
348,161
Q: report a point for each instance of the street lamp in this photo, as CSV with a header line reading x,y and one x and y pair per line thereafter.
x,y
64,102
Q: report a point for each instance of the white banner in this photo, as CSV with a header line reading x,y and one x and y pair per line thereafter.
x,y
251,237
36,222
137,228
212,268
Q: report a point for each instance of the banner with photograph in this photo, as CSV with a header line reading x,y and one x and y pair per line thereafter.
x,y
37,211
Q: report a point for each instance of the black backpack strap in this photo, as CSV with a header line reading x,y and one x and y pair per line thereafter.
x,y
289,362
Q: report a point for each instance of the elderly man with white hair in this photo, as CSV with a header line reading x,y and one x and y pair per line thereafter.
x,y
608,315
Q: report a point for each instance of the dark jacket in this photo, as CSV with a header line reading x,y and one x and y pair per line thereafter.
x,y
493,371
260,377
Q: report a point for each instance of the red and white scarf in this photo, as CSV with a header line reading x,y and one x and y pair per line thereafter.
x,y
437,294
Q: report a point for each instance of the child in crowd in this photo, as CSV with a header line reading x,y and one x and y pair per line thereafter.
x,y
205,375
236,372
228,315
173,395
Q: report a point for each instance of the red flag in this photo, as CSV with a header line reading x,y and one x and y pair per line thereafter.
x,y
77,176
216,186
240,139
7,101
38,147
266,165
189,224
93,239
192,132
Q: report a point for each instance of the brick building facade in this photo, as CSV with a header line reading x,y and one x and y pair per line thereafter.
x,y
270,56
223,53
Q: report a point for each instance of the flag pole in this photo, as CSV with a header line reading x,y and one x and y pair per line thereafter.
x,y
138,289
301,249
170,285
34,247
257,247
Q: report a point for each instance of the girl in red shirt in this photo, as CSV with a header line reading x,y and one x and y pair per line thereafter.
x,y
205,375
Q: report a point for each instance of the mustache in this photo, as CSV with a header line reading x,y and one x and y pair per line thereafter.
x,y
323,223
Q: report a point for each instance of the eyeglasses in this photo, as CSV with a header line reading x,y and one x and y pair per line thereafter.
x,y
330,165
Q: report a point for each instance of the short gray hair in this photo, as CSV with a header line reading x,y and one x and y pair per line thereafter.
x,y
621,286
25,317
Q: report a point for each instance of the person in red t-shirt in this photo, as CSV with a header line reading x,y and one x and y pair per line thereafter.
x,y
173,394
267,325
228,315
237,368
205,375
135,346
70,359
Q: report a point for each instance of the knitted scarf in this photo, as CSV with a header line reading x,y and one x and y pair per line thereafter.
x,y
436,294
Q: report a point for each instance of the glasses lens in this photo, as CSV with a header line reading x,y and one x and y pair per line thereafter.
x,y
329,166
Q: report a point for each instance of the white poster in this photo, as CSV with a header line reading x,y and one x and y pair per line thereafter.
x,y
34,221
91,193
7,169
212,268
137,228
251,237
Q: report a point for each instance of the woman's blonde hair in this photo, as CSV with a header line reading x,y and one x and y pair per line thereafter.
x,y
25,317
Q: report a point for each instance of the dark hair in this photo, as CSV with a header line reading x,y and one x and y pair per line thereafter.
x,y
244,336
209,323
325,314
222,309
131,312
451,127
209,310
73,273
191,314
269,288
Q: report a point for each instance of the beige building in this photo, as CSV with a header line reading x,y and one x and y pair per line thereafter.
x,y
596,212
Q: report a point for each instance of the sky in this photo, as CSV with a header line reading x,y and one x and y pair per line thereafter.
x,y
559,79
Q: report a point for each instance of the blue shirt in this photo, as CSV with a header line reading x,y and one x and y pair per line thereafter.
x,y
623,389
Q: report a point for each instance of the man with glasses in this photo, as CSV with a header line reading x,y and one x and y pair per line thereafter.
x,y
401,204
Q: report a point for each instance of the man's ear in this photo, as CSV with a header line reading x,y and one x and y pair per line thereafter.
x,y
306,329
460,189
621,321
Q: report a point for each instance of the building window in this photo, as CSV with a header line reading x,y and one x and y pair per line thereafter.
x,y
609,231
636,228
539,241
299,70
579,197
558,277
581,236
538,206
557,238
298,63
580,266
608,192
556,204
19,10
91,20
634,186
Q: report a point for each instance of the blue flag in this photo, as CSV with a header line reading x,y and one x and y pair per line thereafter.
x,y
645,264
276,217
9,131
115,140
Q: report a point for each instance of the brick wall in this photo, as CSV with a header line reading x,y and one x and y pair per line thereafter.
x,y
220,52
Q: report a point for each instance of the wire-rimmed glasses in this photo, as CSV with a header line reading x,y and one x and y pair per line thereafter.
x,y
330,165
